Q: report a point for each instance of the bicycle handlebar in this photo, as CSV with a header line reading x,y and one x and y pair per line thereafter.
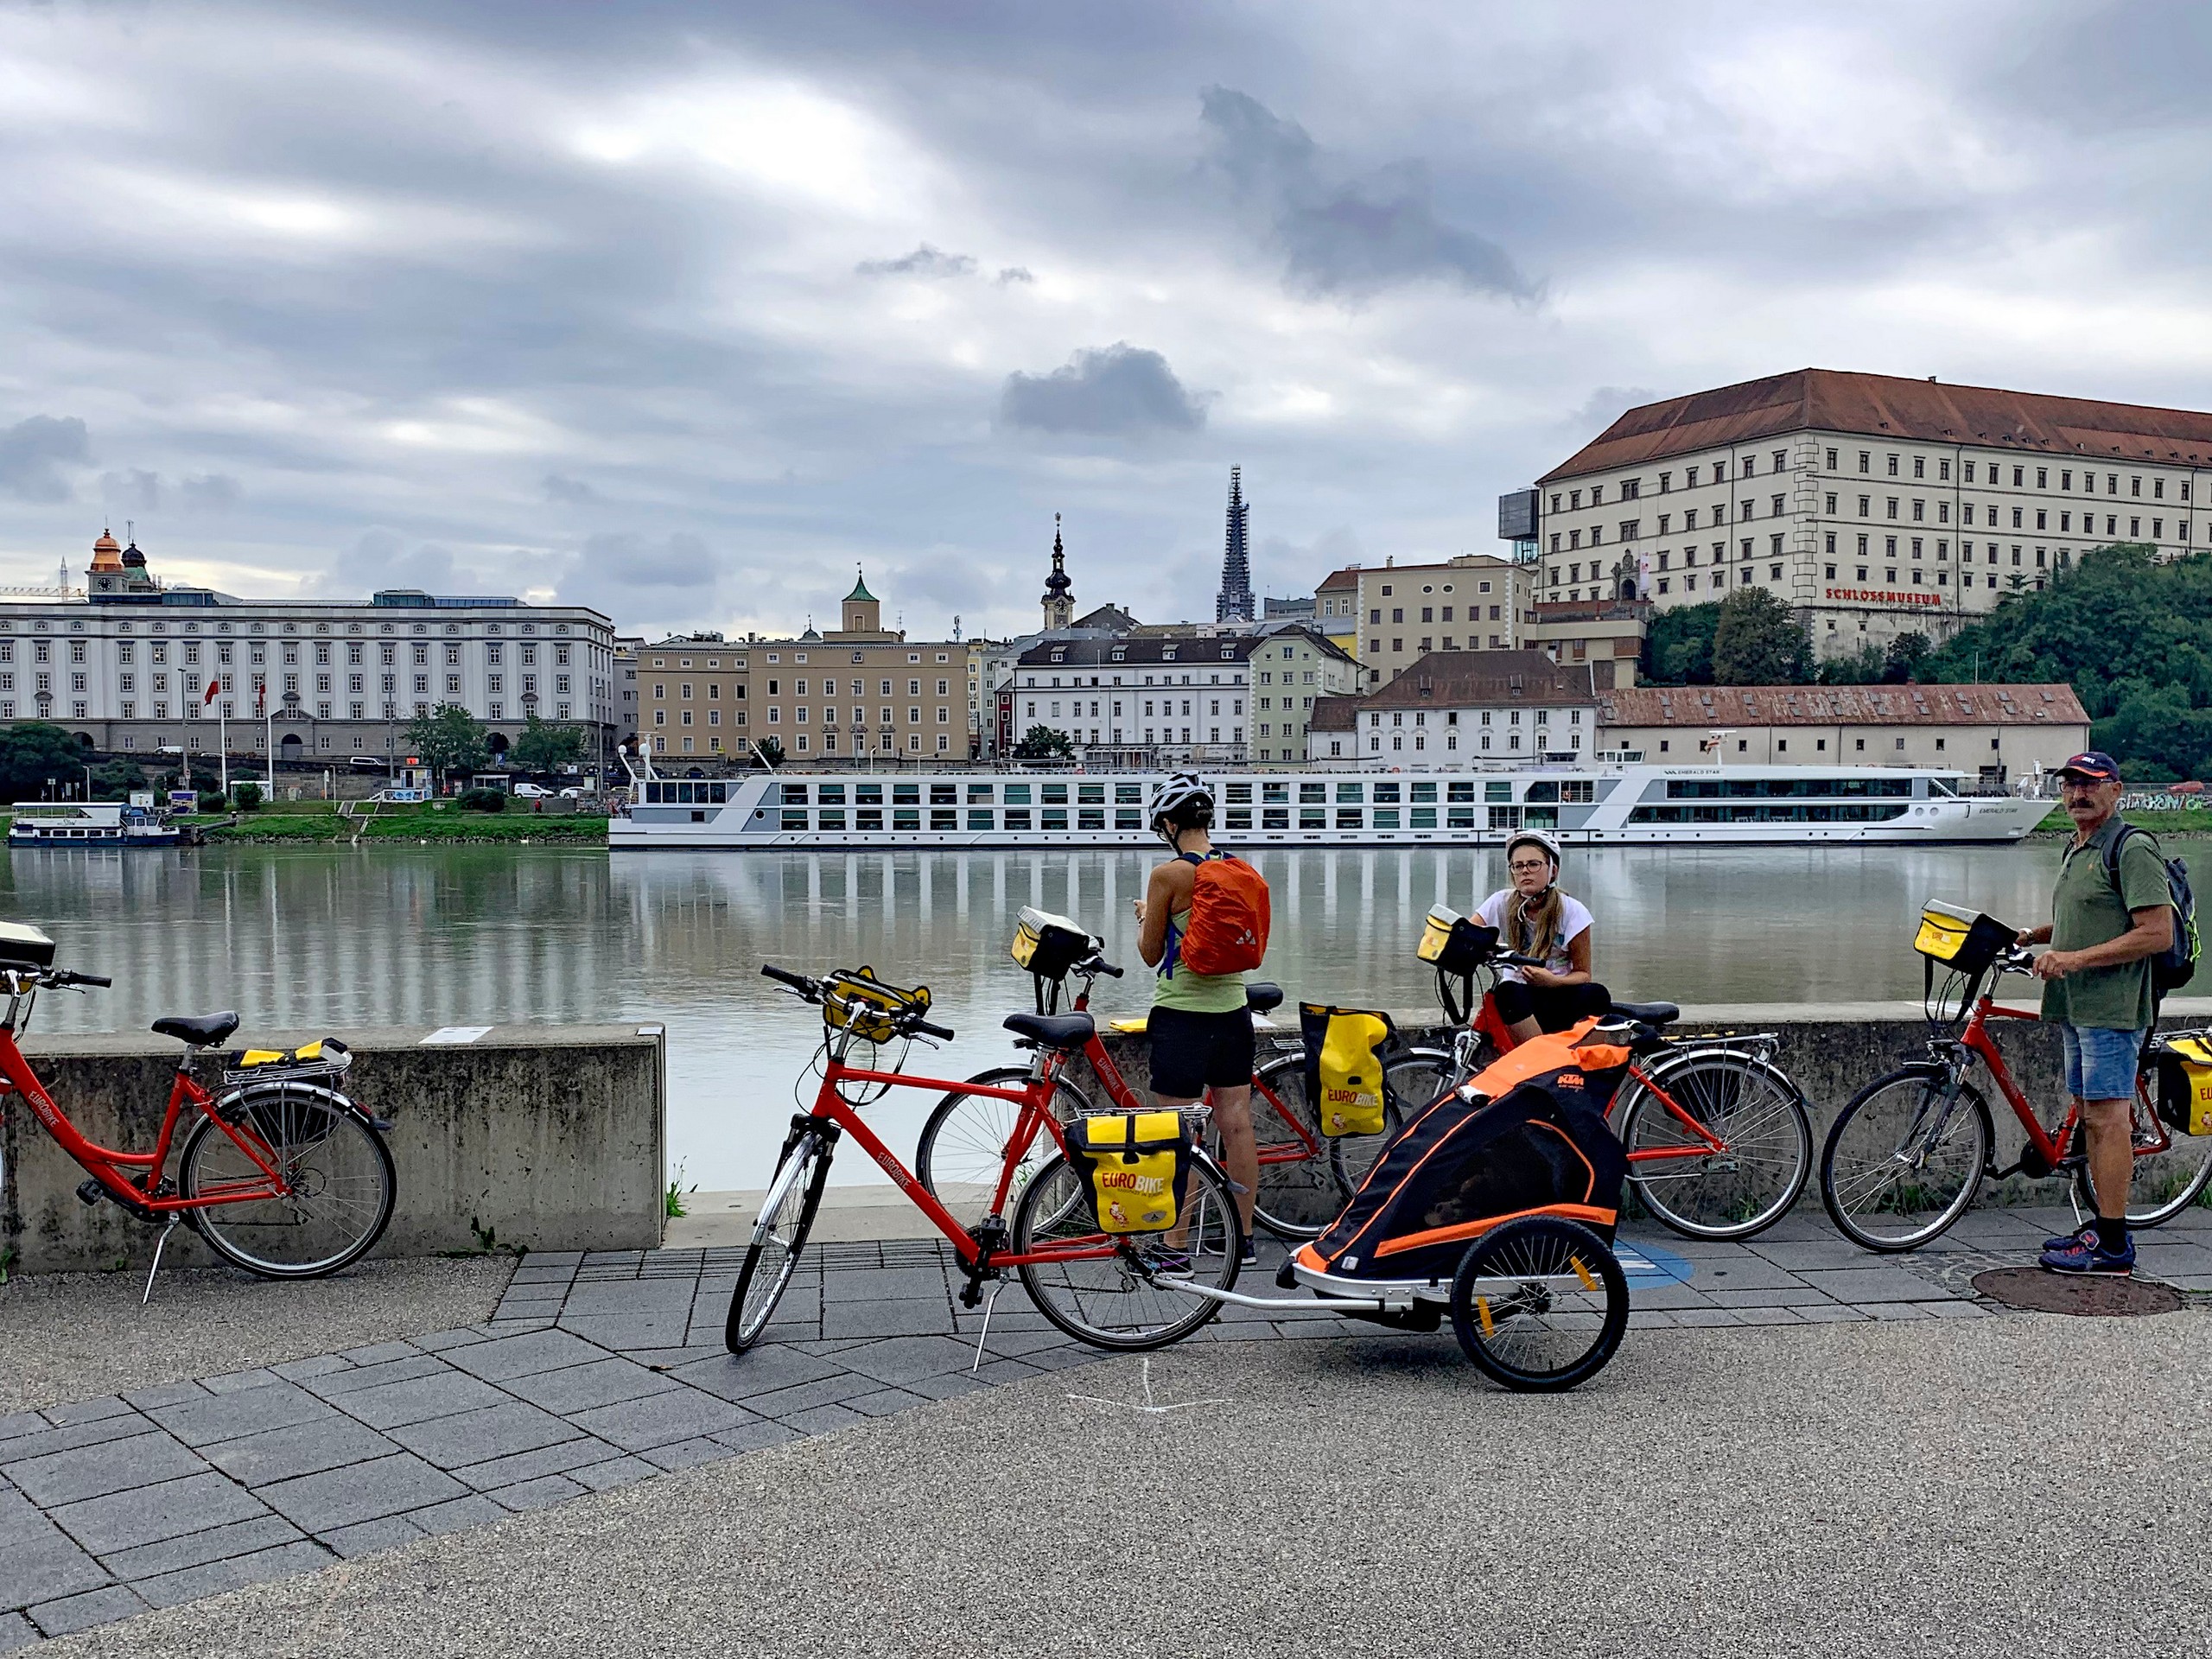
x,y
1097,965
71,978
57,978
922,1027
800,982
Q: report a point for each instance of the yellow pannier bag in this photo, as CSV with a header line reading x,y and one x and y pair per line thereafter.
x,y
1048,945
871,1008
1963,940
1455,944
2185,1083
1134,1167
1344,1066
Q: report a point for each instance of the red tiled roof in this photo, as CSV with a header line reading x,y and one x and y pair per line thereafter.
x,y
1841,705
1889,406
1347,577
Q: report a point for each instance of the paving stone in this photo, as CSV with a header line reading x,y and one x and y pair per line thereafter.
x,y
206,1421
298,1370
149,1513
506,1358
601,1383
361,1491
616,1471
215,1544
1693,1317
1650,1319
439,1342
884,1402
553,1259
687,1455
1862,1286
754,1437
377,1353
15,1631
886,1318
239,1381
456,1515
1063,1357
443,1395
631,1297
1767,1316
170,1394
823,1419
301,1449
902,1359
1832,1314
1800,1296
86,1411
624,1333
831,1390
997,1372
1013,1344
946,1387
21,1423
760,1370
338,1384
884,1284
561,1459
542,1493
38,1562
81,1612
370,1536
237,1572
1743,1271
1670,1297
497,1431
95,1470
1829,1253
1956,1310
1895,1310
661,1420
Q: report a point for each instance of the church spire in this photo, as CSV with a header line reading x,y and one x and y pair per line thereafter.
x,y
1059,591
1234,602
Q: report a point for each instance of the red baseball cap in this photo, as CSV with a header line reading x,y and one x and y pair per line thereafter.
x,y
2095,764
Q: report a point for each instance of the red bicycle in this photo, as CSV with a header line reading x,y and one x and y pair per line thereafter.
x,y
1306,1177
278,1171
1907,1155
1112,1291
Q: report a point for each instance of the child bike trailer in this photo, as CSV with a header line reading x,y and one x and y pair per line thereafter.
x,y
1499,1201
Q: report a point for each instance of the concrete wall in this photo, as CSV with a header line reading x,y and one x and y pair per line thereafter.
x,y
551,1137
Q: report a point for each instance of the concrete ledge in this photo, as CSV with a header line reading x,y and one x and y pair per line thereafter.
x,y
547,1137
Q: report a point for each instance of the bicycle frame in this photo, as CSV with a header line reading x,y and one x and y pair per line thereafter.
x,y
2048,1147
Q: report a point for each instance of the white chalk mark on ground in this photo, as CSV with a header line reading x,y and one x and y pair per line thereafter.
x,y
1149,1404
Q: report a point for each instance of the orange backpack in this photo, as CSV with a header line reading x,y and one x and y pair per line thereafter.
x,y
1227,932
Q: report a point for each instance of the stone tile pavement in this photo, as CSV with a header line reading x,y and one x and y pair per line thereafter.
x,y
598,1370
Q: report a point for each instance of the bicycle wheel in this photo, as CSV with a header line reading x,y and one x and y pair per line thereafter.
x,y
335,1164
1539,1303
1119,1301
963,1148
1299,1196
1900,1166
1411,1083
1751,1106
2164,1183
786,1217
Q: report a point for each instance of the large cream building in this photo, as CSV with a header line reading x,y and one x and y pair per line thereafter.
x,y
1871,505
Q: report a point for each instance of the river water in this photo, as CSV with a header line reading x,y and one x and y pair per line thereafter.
x,y
332,938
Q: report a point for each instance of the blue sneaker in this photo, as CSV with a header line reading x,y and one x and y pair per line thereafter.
x,y
2086,1256
2060,1241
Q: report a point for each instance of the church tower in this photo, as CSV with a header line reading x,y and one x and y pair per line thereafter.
x,y
863,611
1060,592
1234,602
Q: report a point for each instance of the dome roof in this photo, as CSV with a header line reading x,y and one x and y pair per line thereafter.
x,y
107,554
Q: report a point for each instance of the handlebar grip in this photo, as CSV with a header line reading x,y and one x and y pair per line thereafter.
x,y
1101,965
100,980
797,981
926,1029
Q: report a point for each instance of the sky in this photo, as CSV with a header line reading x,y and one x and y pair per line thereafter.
x,y
686,311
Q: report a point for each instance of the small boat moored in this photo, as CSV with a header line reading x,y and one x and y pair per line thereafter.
x,y
91,823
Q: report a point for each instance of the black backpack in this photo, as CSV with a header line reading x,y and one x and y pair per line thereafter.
x,y
2175,965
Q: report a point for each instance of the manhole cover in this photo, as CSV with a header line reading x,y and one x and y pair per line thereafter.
x,y
2038,1291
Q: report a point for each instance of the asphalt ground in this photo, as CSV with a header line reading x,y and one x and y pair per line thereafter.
x,y
74,1335
2023,1485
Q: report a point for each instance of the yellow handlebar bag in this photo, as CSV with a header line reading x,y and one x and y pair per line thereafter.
x,y
2185,1084
1135,1167
1344,1066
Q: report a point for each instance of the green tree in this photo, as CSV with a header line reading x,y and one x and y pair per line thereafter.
x,y
114,779
1861,667
1042,742
1756,642
544,746
1906,655
1678,646
31,752
449,739
770,750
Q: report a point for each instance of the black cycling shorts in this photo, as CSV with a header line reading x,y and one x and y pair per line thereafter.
x,y
1192,1053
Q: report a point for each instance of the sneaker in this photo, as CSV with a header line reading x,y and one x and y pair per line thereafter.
x,y
1249,1258
2061,1241
2085,1256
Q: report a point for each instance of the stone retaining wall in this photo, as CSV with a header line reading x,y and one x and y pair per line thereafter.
x,y
548,1137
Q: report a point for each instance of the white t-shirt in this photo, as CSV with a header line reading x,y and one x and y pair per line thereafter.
x,y
1574,919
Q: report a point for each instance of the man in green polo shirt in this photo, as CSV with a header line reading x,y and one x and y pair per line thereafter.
x,y
2097,991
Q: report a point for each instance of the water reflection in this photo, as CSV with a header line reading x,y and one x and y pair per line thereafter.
x,y
319,937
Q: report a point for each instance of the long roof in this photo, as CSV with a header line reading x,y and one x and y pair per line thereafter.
x,y
1702,706
1462,679
1140,649
1890,406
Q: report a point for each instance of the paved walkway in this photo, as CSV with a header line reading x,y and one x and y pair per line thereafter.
x,y
602,1370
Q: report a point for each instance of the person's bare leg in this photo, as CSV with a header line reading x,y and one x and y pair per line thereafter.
x,y
1177,1236
1525,1030
1240,1148
2109,1128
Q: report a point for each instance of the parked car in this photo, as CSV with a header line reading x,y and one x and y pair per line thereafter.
x,y
368,763
572,793
530,792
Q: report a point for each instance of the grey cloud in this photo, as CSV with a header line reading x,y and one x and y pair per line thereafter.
x,y
1015,274
133,488
1121,391
210,493
924,261
33,452
1342,232
1607,404
574,491
1284,569
383,558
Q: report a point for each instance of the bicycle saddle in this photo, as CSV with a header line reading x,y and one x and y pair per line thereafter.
x,y
1651,1014
1063,1031
1260,996
198,1029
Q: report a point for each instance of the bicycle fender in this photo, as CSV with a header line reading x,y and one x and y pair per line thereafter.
x,y
230,1105
1681,1058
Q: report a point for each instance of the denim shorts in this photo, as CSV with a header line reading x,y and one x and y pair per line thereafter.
x,y
2100,1062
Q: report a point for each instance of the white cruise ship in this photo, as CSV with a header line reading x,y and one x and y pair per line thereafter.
x,y
1609,805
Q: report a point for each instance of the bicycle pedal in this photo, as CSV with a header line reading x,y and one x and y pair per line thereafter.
x,y
89,1190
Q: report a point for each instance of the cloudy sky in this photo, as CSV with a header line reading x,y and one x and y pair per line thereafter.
x,y
682,310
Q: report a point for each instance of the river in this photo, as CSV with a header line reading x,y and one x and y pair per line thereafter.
x,y
332,938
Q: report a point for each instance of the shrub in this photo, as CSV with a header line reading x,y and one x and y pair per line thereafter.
x,y
212,800
483,800
249,797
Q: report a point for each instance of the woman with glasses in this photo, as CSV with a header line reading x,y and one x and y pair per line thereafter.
x,y
1535,918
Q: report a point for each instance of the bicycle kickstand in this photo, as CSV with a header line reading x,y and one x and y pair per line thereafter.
x,y
161,1245
984,1335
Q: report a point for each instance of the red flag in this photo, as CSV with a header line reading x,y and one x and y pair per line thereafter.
x,y
214,690
260,699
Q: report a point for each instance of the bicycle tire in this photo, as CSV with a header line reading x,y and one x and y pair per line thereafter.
x,y
2175,1179
334,1158
1300,1193
772,1257
1110,1302
1411,1083
1761,1115
1872,1173
1562,1319
964,1143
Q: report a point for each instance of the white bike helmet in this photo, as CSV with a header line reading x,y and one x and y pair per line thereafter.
x,y
1180,791
1538,838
